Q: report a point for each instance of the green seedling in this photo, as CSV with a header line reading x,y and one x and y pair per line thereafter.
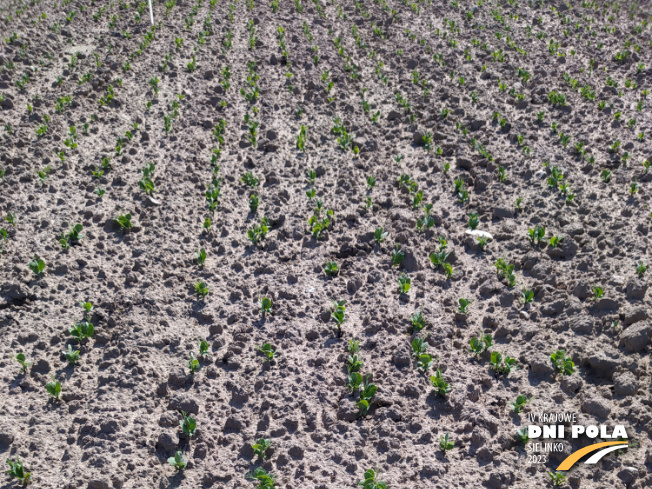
x,y
537,234
265,304
380,234
445,443
82,330
178,462
480,344
598,292
483,241
464,305
522,436
337,313
188,424
124,221
261,446
354,381
54,388
200,256
267,350
419,347
438,258
520,402
474,220
404,284
253,202
74,235
71,355
17,471
418,321
249,179
201,289
557,478
555,241
527,296
424,362
331,268
506,270
397,255
353,363
354,346
37,266
371,481
203,347
259,231
439,383
563,364
640,268
22,360
265,480
193,363
367,393
502,365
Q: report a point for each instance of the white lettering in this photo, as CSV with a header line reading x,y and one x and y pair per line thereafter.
x,y
533,431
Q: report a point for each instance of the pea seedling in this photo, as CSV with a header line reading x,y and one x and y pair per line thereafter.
x,y
563,364
267,350
537,234
331,268
367,393
17,471
520,402
557,478
371,481
380,234
261,446
265,304
502,365
124,221
82,330
404,284
54,388
265,480
201,289
22,360
474,220
193,363
464,305
480,344
178,462
439,383
640,268
337,313
522,435
397,255
200,256
527,296
188,424
71,355
418,321
37,265
445,443
598,292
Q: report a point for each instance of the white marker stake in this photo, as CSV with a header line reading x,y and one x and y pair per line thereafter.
x,y
151,14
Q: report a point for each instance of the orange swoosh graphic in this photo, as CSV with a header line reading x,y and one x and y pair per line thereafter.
x,y
574,457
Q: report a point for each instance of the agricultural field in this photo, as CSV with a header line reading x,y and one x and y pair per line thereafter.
x,y
323,244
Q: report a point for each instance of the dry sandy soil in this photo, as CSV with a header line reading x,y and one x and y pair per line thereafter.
x,y
117,420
